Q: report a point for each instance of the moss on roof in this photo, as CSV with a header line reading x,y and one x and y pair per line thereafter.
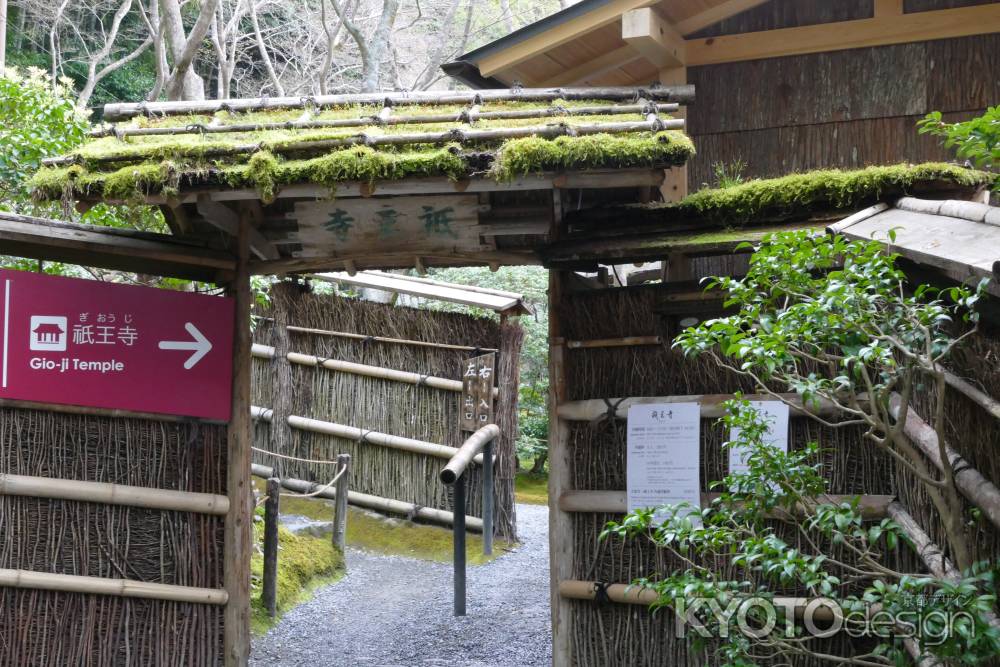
x,y
166,163
829,189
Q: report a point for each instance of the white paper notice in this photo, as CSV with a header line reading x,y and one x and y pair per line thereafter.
x,y
664,458
776,413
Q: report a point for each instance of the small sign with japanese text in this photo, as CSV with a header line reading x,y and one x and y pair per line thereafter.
x,y
663,465
104,345
477,392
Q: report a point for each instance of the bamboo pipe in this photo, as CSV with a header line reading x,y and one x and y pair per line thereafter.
x,y
682,94
985,401
363,121
113,494
616,502
354,433
382,339
970,482
633,594
472,447
631,341
386,505
450,136
267,352
711,405
128,588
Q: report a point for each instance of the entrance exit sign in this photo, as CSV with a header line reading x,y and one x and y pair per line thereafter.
x,y
105,345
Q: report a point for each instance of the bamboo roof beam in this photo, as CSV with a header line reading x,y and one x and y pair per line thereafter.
x,y
455,135
470,115
680,94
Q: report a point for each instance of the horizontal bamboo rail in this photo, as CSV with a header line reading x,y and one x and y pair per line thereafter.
x,y
383,339
683,94
631,341
466,116
385,505
984,400
711,405
127,588
267,352
103,412
470,449
575,589
983,493
616,502
355,433
455,135
113,494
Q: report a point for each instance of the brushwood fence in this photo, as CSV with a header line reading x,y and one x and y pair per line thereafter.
x,y
377,405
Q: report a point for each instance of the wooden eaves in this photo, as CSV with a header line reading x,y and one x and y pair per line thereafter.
x,y
110,248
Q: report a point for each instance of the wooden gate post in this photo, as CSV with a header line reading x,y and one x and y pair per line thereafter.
x,y
340,513
283,297
238,530
269,590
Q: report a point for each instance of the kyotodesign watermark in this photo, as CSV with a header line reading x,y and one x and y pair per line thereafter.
x,y
760,617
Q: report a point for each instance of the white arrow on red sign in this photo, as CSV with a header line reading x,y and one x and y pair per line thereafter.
x,y
200,345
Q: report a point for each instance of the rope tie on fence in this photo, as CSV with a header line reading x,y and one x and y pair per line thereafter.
x,y
422,379
363,438
313,494
413,513
601,592
291,458
367,339
610,414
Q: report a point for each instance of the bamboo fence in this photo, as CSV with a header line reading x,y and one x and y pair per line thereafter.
x,y
390,405
109,550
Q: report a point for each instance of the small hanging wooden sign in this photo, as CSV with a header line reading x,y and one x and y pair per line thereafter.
x,y
477,392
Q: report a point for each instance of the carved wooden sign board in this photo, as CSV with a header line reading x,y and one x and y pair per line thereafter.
x,y
411,225
477,392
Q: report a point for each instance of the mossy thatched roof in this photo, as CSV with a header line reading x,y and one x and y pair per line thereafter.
x,y
277,147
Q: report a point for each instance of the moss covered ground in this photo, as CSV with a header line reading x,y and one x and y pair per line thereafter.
x,y
531,488
276,157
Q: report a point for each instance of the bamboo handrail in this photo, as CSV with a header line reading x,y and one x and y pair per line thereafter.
x,y
711,405
447,137
630,341
470,449
872,506
682,94
387,505
128,588
355,433
113,494
984,400
363,121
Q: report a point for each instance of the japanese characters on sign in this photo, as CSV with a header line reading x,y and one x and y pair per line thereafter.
x,y
477,392
663,465
85,342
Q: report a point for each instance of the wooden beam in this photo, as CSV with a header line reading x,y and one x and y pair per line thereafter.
x,y
116,249
714,15
651,35
888,8
592,69
877,31
228,220
560,34
616,502
239,521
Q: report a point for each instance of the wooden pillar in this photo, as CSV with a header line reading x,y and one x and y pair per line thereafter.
x,y
239,520
272,515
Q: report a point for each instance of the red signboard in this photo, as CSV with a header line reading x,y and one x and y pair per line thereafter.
x,y
85,342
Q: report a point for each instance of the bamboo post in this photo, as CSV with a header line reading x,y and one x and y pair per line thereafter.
x,y
238,527
470,449
340,513
458,533
269,592
488,498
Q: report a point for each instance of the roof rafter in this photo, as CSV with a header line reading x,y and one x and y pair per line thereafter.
x,y
653,37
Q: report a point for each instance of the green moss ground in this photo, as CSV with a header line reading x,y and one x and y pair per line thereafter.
x,y
159,164
531,489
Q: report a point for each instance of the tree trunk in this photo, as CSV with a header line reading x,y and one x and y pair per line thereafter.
x,y
538,467
262,48
507,16
3,37
184,83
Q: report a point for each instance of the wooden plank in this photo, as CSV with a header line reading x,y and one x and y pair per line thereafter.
x,y
228,220
477,392
653,37
592,69
888,8
239,521
715,14
610,12
391,261
878,31
426,290
630,341
711,405
410,224
156,254
616,502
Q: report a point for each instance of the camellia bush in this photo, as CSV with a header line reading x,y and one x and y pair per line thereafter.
x,y
832,321
976,140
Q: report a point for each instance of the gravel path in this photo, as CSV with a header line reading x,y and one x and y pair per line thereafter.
x,y
390,611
